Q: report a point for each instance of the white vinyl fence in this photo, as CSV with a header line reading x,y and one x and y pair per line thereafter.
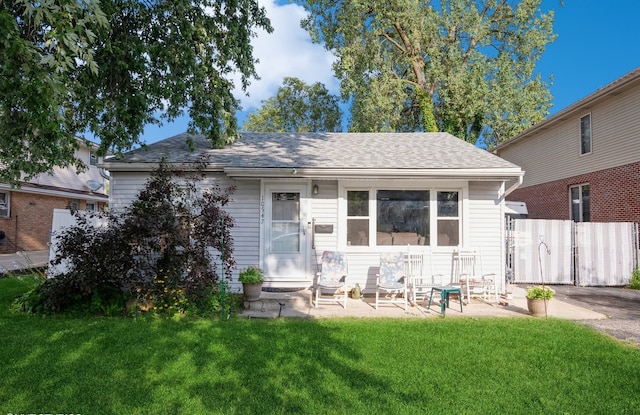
x,y
565,252
606,253
62,218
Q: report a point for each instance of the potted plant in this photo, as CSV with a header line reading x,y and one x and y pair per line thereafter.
x,y
538,298
251,278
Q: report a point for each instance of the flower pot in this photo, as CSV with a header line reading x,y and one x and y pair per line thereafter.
x,y
251,291
537,307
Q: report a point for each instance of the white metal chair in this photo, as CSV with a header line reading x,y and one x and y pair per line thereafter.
x,y
391,281
332,277
468,268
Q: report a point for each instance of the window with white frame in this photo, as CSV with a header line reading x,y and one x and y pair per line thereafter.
x,y
90,207
585,134
448,219
580,203
4,205
93,158
402,217
358,217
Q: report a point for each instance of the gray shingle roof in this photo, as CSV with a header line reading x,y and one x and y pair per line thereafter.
x,y
326,150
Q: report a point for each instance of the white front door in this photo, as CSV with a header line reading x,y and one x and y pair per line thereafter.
x,y
286,237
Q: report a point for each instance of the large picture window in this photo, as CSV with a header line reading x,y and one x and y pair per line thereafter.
x,y
390,217
402,217
580,203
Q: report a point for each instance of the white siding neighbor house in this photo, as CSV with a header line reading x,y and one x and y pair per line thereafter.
x,y
298,195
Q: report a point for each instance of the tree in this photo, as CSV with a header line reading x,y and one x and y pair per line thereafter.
x,y
68,67
468,63
297,107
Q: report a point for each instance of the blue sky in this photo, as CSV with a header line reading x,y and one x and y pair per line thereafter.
x,y
598,41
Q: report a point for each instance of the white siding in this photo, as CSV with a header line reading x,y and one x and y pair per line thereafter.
x,y
486,228
125,188
245,210
324,211
482,227
554,153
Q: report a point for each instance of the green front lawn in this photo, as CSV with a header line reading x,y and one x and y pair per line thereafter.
x,y
239,366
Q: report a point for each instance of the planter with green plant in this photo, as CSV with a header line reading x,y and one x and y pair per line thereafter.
x,y
538,298
251,278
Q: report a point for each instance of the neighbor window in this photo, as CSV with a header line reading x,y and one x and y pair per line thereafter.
x,y
74,204
4,204
93,158
580,203
90,207
585,134
386,217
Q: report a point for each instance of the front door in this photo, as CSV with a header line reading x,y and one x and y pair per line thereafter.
x,y
286,237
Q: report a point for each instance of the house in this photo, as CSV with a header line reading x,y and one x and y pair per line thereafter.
x,y
298,195
26,213
583,163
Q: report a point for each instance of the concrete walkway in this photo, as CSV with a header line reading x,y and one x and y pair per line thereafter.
x,y
23,260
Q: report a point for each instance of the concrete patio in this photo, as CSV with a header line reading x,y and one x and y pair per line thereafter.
x,y
298,304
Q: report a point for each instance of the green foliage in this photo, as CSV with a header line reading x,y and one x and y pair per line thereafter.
x,y
156,250
251,275
635,279
297,107
540,292
112,67
475,60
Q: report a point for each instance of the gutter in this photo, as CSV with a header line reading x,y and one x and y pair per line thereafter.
x,y
513,187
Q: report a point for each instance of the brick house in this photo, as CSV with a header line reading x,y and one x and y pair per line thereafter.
x,y
26,213
583,163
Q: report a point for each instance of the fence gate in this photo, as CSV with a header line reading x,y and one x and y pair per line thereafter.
x,y
606,253
542,251
565,252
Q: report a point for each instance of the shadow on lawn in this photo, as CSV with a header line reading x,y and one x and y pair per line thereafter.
x,y
127,366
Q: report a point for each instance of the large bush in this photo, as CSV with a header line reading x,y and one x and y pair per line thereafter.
x,y
167,249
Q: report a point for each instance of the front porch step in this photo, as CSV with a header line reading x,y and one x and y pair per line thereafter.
x,y
294,299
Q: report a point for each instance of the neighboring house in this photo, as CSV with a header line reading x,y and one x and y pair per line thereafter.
x,y
26,213
583,163
301,194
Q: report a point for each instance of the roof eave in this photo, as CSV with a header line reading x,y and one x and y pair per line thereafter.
x,y
356,173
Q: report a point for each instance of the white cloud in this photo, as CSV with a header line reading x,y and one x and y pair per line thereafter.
x,y
287,51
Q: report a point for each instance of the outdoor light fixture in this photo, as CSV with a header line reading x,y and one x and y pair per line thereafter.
x,y
315,189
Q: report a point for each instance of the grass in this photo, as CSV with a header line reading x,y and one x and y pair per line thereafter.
x,y
90,365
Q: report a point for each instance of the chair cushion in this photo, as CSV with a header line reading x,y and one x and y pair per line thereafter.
x,y
392,269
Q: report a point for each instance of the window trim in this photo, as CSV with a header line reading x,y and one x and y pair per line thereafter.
x,y
584,153
462,187
7,200
93,158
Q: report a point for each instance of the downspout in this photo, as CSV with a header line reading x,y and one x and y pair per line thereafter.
x,y
513,187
